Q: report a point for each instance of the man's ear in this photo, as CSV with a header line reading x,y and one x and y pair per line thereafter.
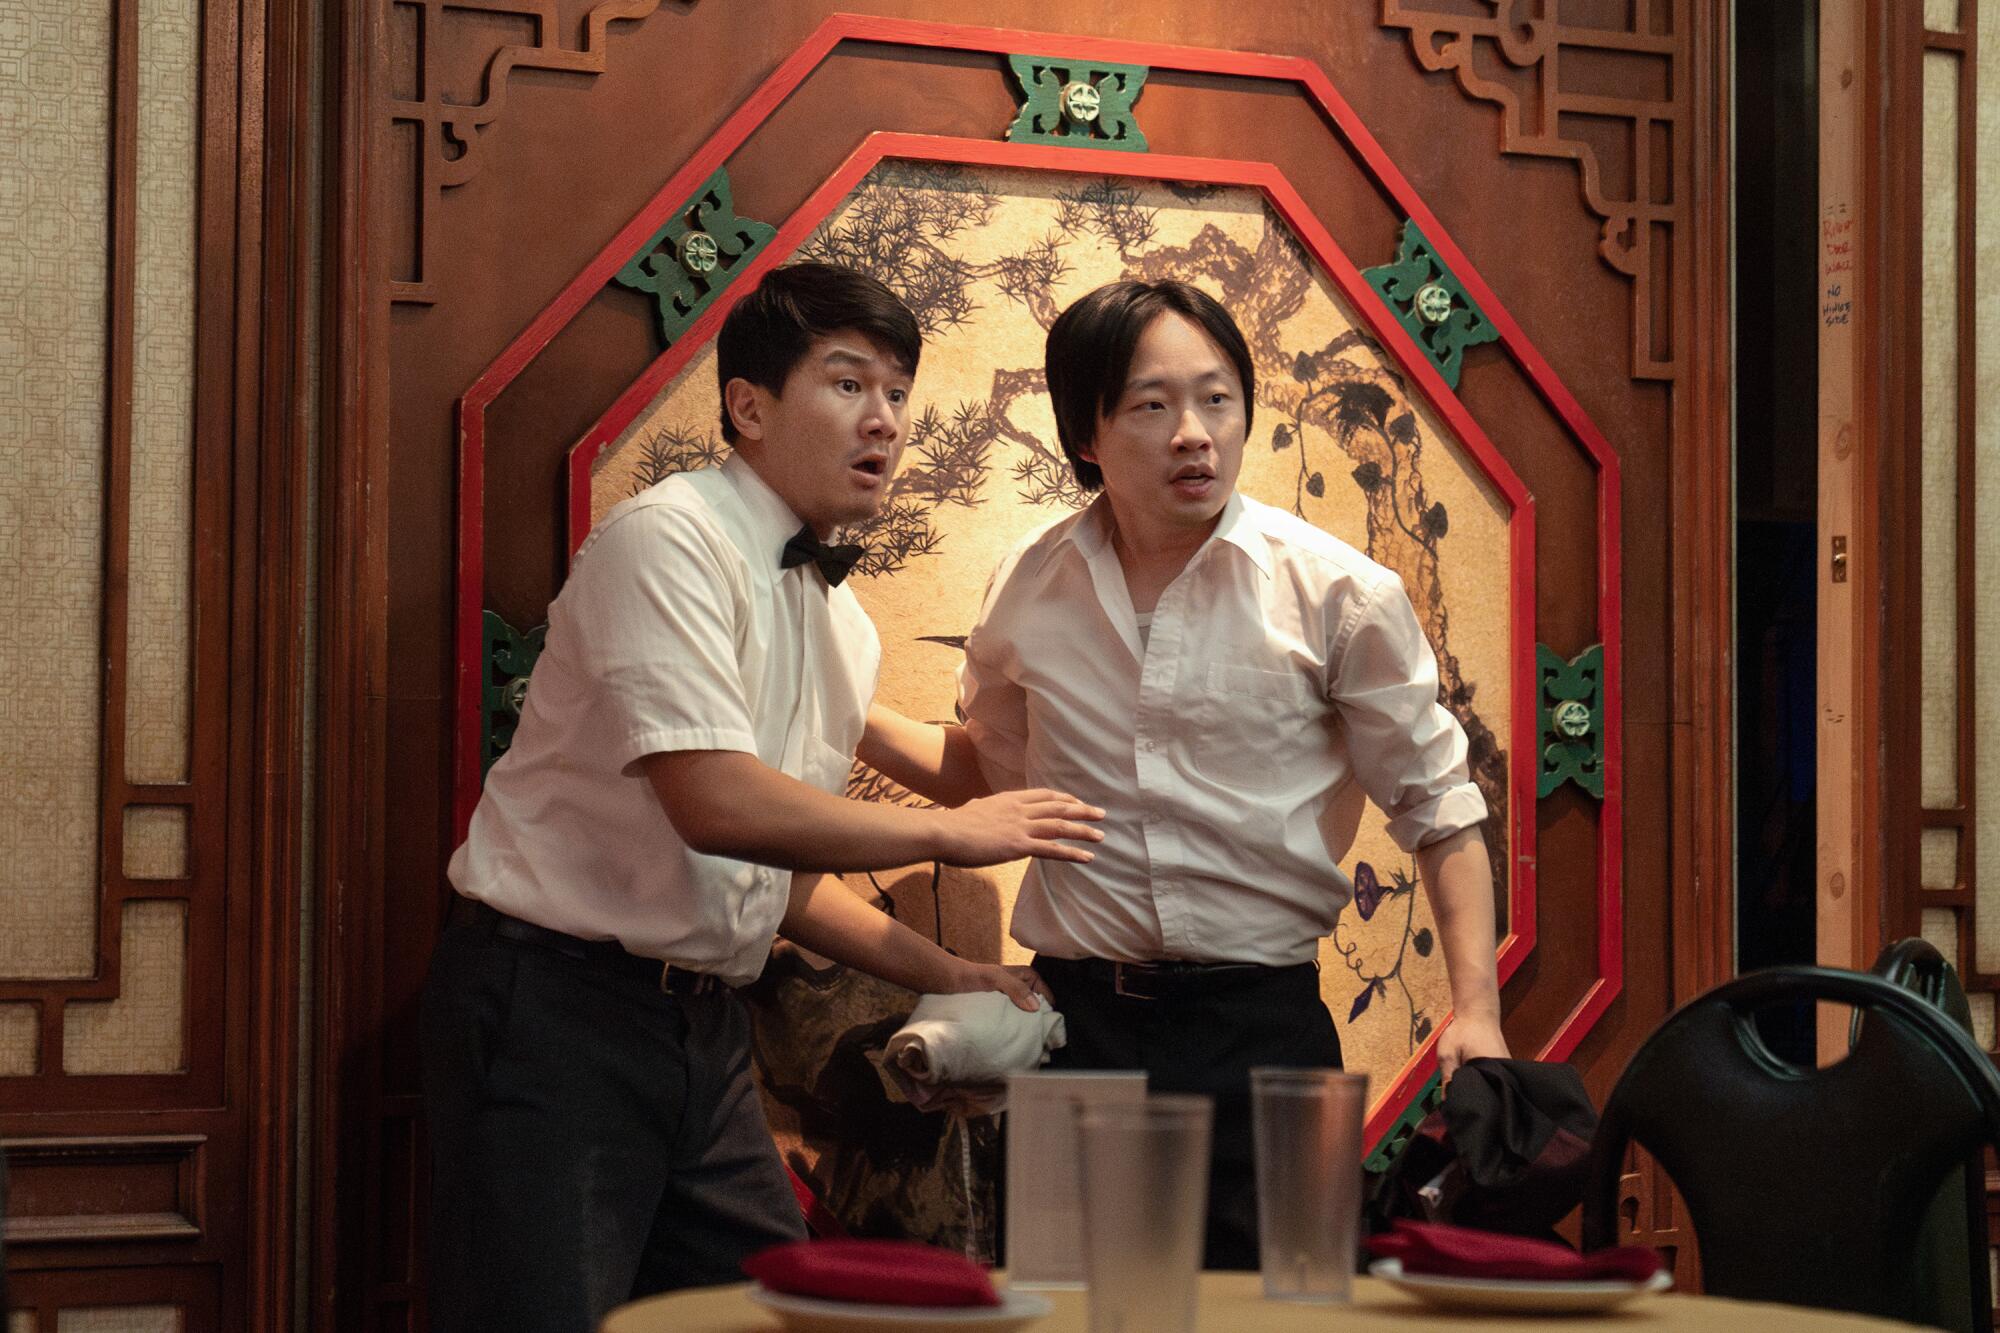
x,y
746,408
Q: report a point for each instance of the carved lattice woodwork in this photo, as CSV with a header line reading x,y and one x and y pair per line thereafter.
x,y
451,134
1651,1213
1617,109
1944,881
152,495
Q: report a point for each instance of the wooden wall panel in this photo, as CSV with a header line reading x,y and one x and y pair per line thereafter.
x,y
446,261
147,1004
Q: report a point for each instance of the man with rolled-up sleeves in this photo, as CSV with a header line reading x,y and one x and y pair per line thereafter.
x,y
1227,681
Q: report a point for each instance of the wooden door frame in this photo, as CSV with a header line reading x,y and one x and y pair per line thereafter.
x,y
1876,821
272,534
1704,498
1861,379
351,685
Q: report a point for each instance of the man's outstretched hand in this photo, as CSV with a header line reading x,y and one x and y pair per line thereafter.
x,y
996,829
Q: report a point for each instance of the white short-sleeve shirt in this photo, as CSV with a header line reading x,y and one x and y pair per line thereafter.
x,y
676,630
1283,675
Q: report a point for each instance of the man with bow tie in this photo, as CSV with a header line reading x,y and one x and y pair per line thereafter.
x,y
672,798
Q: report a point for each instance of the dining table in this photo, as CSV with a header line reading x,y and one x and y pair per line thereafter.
x,y
1234,1303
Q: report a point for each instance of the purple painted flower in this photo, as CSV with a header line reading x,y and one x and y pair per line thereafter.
x,y
1367,890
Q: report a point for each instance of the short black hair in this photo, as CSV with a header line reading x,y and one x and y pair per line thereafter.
x,y
1090,349
769,331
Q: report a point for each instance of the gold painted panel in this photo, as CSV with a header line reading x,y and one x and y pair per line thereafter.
x,y
55,100
987,258
1941,15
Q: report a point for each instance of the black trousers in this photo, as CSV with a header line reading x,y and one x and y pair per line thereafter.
x,y
1201,1036
594,1139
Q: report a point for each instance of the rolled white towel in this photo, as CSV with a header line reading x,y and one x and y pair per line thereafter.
x,y
954,1044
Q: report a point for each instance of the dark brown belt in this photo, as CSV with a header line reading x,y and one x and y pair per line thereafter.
x,y
607,954
1161,980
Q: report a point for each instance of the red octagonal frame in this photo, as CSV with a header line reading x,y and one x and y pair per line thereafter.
x,y
1367,306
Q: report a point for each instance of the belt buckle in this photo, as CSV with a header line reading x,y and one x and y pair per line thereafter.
x,y
1122,979
698,983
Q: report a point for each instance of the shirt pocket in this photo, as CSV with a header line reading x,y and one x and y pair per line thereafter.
x,y
1251,725
826,767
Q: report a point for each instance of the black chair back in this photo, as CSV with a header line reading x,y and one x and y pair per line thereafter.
x,y
1806,1186
1917,966
1951,1264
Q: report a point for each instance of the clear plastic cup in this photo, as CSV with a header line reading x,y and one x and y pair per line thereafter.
x,y
1144,1168
1306,1131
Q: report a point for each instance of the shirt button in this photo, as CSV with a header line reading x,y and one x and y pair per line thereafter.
x,y
1150,745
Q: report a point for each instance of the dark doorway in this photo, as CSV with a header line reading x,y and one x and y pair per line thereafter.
x,y
1777,472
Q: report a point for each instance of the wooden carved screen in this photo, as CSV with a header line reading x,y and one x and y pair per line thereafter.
x,y
1945,732
144,812
1517,454
1937,69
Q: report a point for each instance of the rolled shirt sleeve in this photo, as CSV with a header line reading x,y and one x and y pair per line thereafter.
x,y
1408,751
653,605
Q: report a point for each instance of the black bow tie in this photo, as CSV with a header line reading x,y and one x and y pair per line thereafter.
x,y
834,561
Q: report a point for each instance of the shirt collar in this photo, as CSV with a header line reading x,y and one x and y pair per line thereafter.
x,y
1239,526
768,521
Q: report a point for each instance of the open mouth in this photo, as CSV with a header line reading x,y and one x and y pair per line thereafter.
x,y
875,467
1192,481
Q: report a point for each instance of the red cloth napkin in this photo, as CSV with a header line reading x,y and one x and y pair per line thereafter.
x,y
1448,1251
875,1272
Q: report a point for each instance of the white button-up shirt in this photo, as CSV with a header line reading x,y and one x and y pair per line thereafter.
x,y
675,631
1284,675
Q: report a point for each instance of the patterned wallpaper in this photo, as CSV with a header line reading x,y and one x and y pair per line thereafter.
x,y
1985,277
1939,776
158,653
20,1040
55,101
55,96
143,1030
156,842
121,1319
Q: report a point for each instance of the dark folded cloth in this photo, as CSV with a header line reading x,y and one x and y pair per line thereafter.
x,y
1441,1250
1507,1151
874,1272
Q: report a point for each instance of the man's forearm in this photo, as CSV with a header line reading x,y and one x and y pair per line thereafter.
x,y
729,803
936,762
1459,881
824,916
726,803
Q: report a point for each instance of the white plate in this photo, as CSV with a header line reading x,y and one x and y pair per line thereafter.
x,y
804,1314
1485,1293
